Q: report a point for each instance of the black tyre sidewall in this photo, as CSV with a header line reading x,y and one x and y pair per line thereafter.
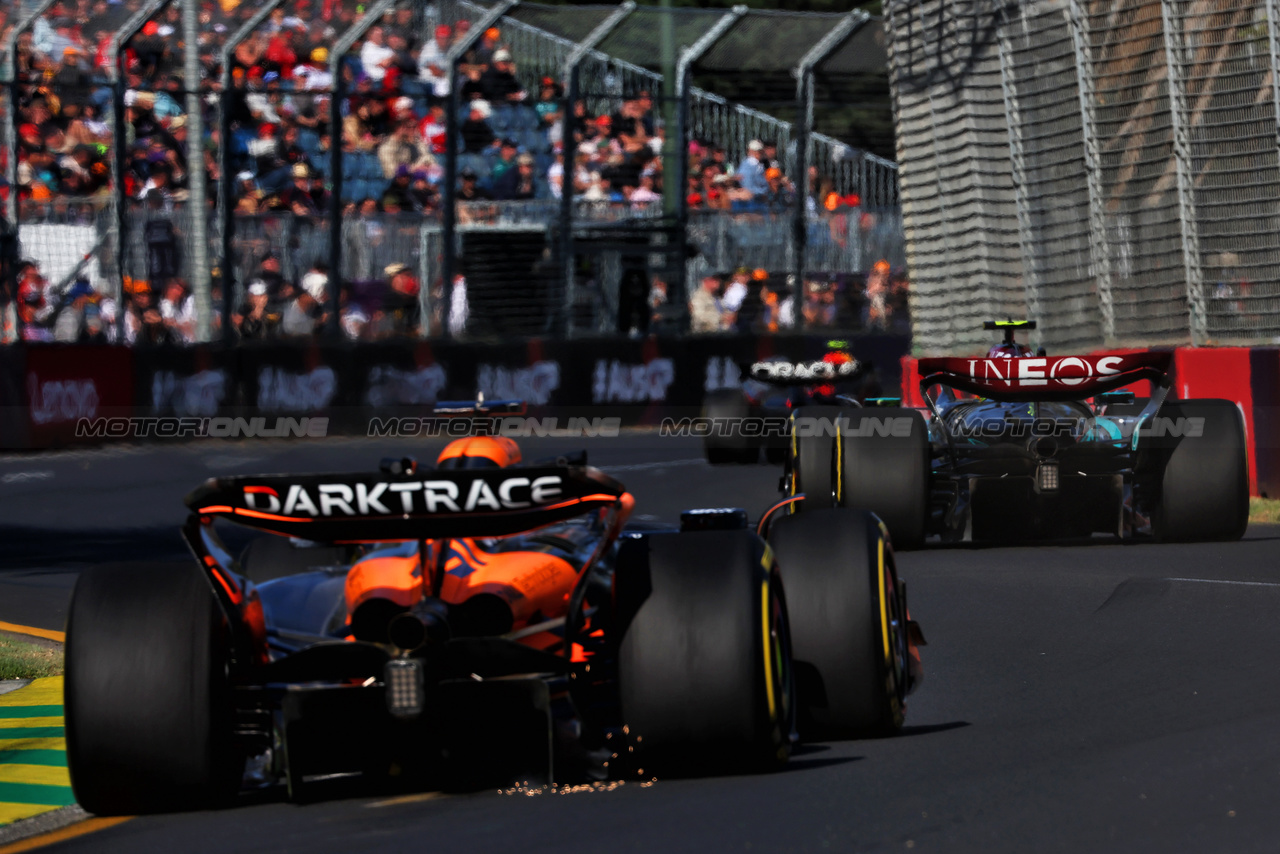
x,y
692,682
1204,480
829,562
813,464
148,710
889,475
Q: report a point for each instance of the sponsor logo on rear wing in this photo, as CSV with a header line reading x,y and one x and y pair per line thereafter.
x,y
815,372
413,504
1044,377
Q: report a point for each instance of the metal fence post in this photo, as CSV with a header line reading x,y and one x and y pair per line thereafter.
x,y
1175,59
449,221
572,69
199,179
1013,117
118,41
1099,253
803,72
372,17
1273,41
684,69
11,53
226,188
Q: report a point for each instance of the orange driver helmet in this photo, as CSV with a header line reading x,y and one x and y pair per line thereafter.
x,y
476,452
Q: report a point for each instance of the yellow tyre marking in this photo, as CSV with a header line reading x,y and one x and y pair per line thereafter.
x,y
839,464
768,658
884,611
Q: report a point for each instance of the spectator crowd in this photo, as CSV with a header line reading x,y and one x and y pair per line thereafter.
x,y
391,146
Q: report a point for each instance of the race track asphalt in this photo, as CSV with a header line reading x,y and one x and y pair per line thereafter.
x,y
1090,697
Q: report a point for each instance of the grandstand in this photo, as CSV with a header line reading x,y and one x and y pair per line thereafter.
x,y
101,170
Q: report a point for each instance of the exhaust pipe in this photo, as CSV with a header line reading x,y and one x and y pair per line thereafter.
x,y
411,630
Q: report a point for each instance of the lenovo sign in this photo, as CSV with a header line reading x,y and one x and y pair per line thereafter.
x,y
65,384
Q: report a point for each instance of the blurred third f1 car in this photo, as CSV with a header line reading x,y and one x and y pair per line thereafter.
x,y
740,422
476,623
1021,446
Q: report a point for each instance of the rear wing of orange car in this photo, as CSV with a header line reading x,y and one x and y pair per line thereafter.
x,y
410,504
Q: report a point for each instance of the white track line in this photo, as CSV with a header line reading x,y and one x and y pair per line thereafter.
x,y
663,465
1221,581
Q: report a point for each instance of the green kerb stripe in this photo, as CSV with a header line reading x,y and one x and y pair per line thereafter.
x,y
53,758
31,732
27,793
29,711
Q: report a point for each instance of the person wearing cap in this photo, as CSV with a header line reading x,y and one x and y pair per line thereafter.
x,y
401,311
297,197
550,94
750,172
489,44
254,322
506,162
314,75
433,66
475,131
518,183
499,81
770,158
779,196
470,190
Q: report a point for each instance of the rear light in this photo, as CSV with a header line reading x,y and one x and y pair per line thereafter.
x,y
406,690
1047,477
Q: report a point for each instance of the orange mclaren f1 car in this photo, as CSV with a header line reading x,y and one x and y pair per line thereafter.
x,y
470,624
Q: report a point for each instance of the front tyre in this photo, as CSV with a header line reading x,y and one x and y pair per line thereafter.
x,y
148,703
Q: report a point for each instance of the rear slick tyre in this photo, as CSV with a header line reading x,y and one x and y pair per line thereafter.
x,y
849,629
813,461
1204,491
884,468
704,667
148,706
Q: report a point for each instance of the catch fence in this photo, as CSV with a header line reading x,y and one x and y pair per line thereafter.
x,y
1109,169
323,150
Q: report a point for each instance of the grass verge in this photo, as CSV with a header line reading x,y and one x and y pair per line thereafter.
x,y
1264,511
20,660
